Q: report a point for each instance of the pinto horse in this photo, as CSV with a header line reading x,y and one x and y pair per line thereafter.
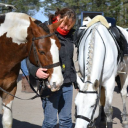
x,y
21,37
98,65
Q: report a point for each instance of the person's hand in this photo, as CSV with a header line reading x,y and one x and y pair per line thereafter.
x,y
41,73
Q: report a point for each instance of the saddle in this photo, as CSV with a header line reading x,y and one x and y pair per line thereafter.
x,y
117,35
120,40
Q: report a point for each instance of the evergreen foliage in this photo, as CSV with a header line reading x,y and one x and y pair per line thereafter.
x,y
117,9
26,6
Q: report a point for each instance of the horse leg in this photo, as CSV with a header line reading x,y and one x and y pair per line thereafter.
x,y
123,96
102,102
109,88
7,106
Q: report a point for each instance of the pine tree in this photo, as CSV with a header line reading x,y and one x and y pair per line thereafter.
x,y
26,6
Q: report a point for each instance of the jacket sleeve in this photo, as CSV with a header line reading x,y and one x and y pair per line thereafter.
x,y
32,68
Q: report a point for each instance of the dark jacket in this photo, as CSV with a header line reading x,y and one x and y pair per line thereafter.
x,y
66,57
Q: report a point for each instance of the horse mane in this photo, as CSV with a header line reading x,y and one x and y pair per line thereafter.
x,y
42,25
90,54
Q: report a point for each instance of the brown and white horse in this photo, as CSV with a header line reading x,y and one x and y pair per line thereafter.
x,y
18,34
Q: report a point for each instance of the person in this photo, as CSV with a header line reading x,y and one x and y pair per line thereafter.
x,y
61,101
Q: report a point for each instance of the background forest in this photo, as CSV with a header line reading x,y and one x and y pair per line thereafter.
x,y
117,9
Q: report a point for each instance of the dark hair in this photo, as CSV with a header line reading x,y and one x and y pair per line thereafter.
x,y
70,13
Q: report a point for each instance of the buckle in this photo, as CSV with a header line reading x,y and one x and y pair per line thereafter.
x,y
91,125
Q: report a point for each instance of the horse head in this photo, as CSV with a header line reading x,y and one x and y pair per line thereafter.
x,y
47,48
87,107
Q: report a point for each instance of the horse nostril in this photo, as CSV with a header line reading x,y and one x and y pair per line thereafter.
x,y
54,84
53,88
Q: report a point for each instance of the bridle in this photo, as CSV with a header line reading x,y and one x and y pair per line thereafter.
x,y
91,122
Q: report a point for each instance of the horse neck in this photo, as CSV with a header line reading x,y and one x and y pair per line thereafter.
x,y
14,30
93,56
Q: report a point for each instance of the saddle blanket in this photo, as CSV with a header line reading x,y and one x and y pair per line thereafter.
x,y
98,18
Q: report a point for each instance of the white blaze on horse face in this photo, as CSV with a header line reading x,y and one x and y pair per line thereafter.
x,y
7,116
15,25
57,74
85,103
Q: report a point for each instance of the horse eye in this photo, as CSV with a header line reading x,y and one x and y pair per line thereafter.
x,y
41,52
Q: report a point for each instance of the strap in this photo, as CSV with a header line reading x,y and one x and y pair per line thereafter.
x,y
31,85
87,91
52,65
83,117
41,37
18,97
35,54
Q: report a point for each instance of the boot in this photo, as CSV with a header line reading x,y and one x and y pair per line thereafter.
x,y
25,85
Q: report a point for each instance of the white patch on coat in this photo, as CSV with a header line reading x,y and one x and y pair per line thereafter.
x,y
7,116
56,75
15,25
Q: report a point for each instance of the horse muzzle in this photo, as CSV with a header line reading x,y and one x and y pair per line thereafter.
x,y
91,125
54,87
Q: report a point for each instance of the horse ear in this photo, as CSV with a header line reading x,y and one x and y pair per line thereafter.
x,y
31,22
33,26
54,26
96,85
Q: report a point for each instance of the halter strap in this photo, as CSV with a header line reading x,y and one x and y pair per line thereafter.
x,y
88,91
83,117
41,37
52,65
